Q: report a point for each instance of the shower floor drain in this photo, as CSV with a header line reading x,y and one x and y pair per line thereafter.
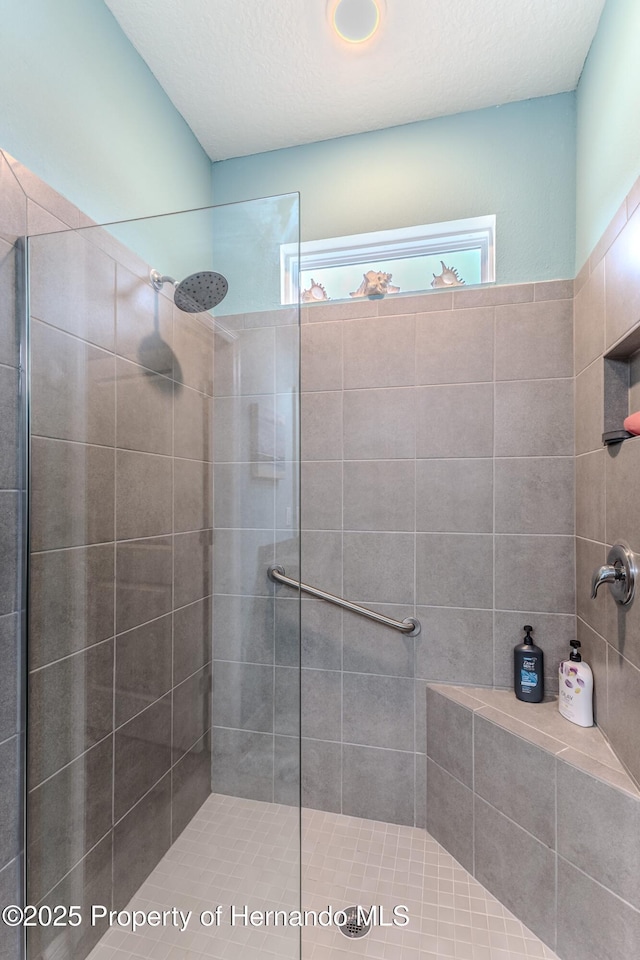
x,y
354,927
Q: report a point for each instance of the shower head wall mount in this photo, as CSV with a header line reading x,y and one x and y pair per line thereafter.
x,y
158,280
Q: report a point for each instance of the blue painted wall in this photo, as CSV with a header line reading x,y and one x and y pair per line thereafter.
x,y
608,126
517,161
83,111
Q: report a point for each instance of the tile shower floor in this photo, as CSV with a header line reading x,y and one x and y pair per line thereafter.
x,y
237,852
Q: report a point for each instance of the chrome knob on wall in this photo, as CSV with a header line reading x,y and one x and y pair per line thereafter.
x,y
619,572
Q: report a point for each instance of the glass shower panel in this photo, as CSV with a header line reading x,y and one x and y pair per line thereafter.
x,y
163,767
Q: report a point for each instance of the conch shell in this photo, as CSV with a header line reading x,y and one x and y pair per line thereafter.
x,y
448,278
315,292
375,284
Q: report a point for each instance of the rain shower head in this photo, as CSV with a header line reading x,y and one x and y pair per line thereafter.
x,y
197,292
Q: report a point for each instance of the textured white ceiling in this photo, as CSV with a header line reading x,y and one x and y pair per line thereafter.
x,y
256,75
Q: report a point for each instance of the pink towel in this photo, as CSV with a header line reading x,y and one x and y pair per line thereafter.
x,y
632,423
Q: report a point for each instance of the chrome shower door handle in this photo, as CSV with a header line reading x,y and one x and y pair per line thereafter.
x,y
620,572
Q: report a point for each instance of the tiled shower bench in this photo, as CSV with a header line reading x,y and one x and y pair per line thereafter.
x,y
542,813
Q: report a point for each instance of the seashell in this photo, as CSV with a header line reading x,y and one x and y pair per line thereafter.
x,y
375,284
448,278
315,292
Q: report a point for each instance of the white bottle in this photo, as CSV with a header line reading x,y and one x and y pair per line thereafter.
x,y
575,689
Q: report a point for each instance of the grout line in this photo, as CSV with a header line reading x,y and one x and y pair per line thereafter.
x,y
115,592
173,561
15,860
474,793
77,338
415,640
345,743
15,177
14,736
493,503
501,813
114,353
119,727
144,796
597,543
123,633
65,766
426,606
448,459
183,755
121,449
555,849
68,656
274,507
156,536
79,443
77,864
343,361
394,533
597,882
9,366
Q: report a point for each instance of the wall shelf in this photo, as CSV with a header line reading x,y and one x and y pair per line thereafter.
x,y
621,375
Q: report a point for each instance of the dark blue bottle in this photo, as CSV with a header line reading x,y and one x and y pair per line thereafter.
x,y
528,670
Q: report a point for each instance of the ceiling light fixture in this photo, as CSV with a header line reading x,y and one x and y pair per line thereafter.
x,y
355,21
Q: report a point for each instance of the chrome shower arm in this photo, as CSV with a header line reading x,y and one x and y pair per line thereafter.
x,y
158,280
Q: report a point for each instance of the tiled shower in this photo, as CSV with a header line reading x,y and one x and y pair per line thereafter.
x,y
414,411
188,721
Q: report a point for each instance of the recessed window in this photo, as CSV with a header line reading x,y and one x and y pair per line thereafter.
x,y
419,258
